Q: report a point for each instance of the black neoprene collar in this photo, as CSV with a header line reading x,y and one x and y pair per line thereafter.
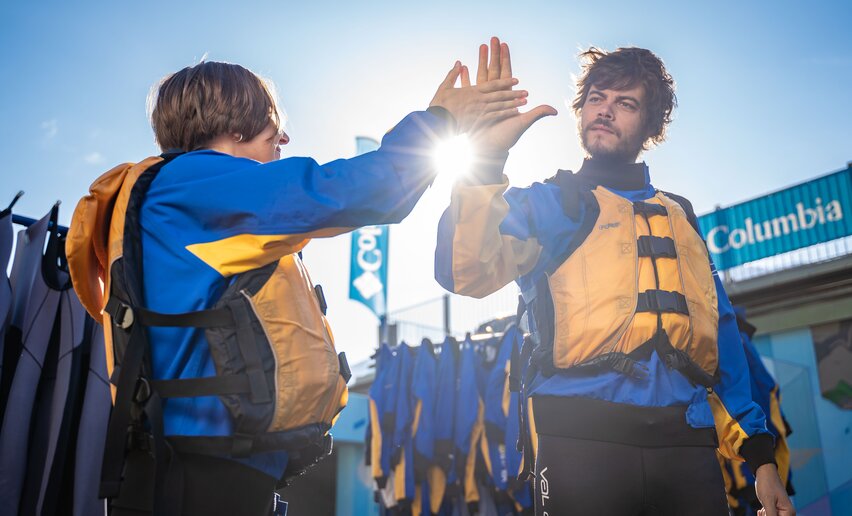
x,y
615,175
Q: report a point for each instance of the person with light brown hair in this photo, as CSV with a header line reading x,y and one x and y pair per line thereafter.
x,y
226,376
634,369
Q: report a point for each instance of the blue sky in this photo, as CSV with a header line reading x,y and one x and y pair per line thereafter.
x,y
764,91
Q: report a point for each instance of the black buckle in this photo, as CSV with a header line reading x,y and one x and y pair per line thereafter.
x,y
345,371
121,313
662,301
652,300
321,299
656,247
627,366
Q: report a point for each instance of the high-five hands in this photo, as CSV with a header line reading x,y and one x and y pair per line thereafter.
x,y
500,136
479,106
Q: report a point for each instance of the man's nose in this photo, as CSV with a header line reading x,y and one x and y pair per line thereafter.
x,y
605,110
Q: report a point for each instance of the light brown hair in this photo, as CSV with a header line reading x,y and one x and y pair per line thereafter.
x,y
199,103
626,68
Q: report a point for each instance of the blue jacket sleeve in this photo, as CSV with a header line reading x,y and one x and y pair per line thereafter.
x,y
486,238
740,423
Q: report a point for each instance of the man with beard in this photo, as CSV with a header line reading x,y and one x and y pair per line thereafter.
x,y
634,366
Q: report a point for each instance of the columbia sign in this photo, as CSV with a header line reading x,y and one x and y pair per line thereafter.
x,y
799,216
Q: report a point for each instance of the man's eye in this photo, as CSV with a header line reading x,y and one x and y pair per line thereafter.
x,y
628,105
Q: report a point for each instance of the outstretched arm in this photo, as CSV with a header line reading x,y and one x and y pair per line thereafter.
x,y
260,212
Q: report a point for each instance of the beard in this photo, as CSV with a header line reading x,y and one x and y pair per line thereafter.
x,y
625,148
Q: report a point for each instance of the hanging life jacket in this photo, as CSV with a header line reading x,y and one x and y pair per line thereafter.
x,y
277,372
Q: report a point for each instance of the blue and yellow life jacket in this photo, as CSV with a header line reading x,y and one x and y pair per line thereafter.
x,y
635,277
278,373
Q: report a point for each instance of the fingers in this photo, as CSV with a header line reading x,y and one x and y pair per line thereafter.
x,y
482,68
505,61
534,115
497,85
506,104
465,77
450,80
501,95
494,65
496,116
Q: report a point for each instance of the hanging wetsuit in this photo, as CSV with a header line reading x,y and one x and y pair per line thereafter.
x,y
499,443
468,423
6,235
402,458
442,475
376,437
66,366
24,267
92,429
53,323
423,427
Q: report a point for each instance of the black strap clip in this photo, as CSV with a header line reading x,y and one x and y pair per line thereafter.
x,y
121,313
662,301
627,366
321,298
345,372
656,247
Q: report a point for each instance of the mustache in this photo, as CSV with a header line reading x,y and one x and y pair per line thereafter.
x,y
601,122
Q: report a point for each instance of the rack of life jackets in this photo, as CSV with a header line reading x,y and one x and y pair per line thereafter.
x,y
54,391
443,428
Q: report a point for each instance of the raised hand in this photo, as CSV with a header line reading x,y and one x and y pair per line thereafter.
x,y
501,135
478,106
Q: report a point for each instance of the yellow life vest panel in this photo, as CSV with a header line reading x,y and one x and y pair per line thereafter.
x,y
640,279
278,373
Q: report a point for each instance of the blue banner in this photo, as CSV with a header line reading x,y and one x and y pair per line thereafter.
x,y
368,269
806,214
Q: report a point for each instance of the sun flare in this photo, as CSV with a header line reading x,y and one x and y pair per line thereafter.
x,y
453,157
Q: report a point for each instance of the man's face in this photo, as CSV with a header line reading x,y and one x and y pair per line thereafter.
x,y
611,123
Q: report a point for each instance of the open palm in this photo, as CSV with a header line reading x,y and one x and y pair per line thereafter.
x,y
498,137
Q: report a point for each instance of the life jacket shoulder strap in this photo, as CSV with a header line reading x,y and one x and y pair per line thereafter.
x,y
687,207
569,188
578,204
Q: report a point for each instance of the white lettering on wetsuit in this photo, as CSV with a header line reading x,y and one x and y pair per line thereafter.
x,y
544,486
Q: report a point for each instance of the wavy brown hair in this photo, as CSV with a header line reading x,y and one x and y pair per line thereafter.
x,y
626,68
199,103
